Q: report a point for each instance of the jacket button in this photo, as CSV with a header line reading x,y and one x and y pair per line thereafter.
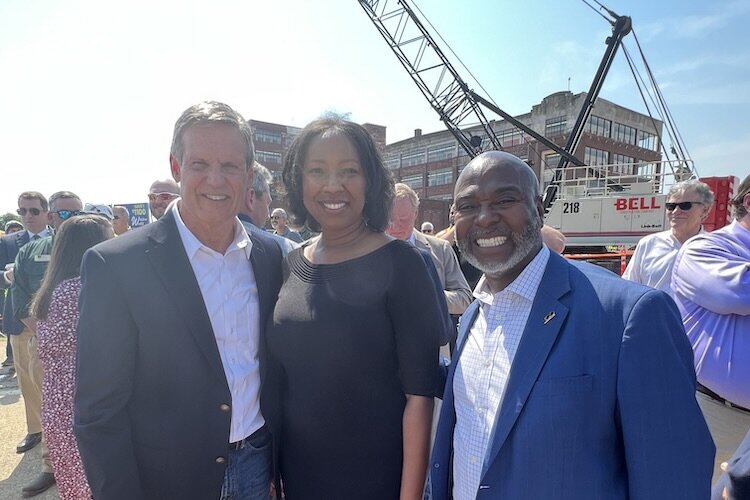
x,y
221,460
437,466
224,407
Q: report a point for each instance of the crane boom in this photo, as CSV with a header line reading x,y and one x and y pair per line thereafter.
x,y
437,79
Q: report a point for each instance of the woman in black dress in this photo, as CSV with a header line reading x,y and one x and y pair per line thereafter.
x,y
354,342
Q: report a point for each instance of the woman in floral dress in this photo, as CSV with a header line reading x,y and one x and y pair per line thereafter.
x,y
56,309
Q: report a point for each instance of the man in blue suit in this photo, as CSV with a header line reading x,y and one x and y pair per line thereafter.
x,y
567,382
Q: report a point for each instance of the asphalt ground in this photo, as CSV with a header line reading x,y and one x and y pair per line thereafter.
x,y
16,471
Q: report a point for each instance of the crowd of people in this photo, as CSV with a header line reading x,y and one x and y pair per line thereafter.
x,y
203,356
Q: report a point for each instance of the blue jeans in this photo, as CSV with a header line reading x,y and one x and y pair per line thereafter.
x,y
248,474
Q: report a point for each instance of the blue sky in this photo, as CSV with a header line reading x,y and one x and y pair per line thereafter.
x,y
91,90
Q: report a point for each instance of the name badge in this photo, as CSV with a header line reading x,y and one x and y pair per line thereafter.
x,y
42,258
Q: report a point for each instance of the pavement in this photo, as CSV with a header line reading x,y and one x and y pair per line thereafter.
x,y
16,471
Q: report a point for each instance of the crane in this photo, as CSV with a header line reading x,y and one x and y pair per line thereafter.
x,y
458,105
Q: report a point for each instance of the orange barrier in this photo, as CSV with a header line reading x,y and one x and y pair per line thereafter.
x,y
600,258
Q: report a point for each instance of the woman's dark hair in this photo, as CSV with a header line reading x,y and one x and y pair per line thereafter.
x,y
379,187
72,239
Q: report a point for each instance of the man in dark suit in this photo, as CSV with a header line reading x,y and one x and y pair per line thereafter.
x,y
170,345
567,382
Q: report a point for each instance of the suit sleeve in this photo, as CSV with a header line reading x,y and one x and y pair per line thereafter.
x,y
22,290
4,260
457,291
107,342
668,448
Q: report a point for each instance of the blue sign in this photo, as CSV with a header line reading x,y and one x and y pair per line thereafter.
x,y
139,214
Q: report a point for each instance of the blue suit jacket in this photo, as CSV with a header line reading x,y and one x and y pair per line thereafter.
x,y
9,247
600,402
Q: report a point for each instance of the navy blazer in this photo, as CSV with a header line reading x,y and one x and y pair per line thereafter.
x,y
9,246
150,405
600,402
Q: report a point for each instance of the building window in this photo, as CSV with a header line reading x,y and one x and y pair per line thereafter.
x,y
555,126
646,140
623,133
268,157
592,156
440,177
513,137
414,181
268,136
441,152
391,163
598,126
442,197
622,164
409,159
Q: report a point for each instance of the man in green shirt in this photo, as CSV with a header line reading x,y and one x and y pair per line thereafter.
x,y
31,262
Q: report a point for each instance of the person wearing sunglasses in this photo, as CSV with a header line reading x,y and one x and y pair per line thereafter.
x,y
711,286
33,208
30,265
687,206
160,195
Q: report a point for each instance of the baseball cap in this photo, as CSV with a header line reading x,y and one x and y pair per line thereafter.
x,y
12,223
98,209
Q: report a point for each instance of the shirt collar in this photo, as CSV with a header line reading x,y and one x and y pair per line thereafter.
x,y
42,234
525,284
412,238
193,245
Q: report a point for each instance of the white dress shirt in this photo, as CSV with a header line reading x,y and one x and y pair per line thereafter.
x,y
653,260
41,234
484,369
230,293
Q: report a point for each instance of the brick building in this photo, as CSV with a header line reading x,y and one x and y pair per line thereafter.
x,y
624,140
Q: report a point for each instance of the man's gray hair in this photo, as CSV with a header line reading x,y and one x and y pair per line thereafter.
x,y
280,212
60,195
405,191
209,112
262,179
704,192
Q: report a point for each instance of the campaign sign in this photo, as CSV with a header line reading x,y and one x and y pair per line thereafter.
x,y
139,214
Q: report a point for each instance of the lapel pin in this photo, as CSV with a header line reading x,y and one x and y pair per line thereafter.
x,y
549,317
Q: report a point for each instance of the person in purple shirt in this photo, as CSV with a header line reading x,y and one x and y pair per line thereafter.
x,y
711,285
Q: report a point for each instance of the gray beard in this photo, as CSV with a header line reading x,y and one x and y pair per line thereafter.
x,y
524,242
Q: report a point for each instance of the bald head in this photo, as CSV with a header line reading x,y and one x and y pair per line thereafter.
x,y
160,195
511,168
498,216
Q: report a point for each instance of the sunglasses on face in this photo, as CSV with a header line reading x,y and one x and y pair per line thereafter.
x,y
67,214
161,196
32,211
684,205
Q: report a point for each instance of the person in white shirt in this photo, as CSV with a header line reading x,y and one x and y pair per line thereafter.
x,y
687,206
168,397
567,381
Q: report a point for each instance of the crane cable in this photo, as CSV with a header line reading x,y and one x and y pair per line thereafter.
x,y
468,71
668,113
